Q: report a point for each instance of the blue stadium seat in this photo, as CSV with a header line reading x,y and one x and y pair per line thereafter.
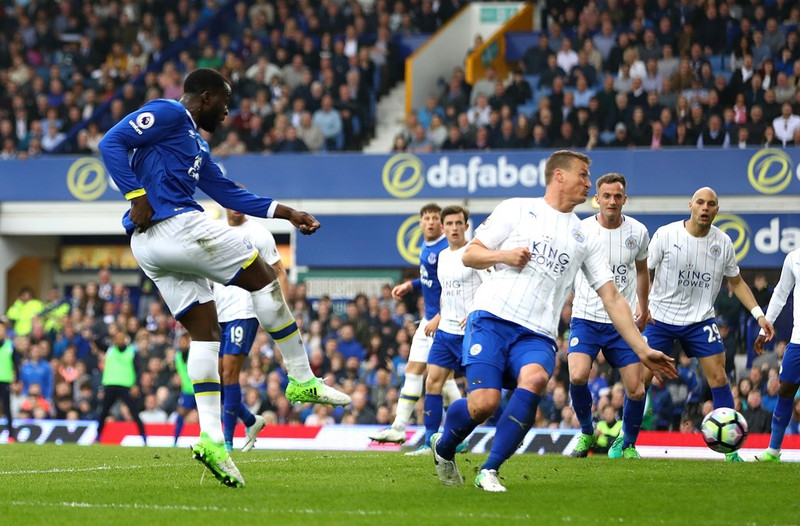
x,y
519,42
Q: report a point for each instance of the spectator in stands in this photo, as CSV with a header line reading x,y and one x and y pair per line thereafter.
x,y
759,420
713,134
310,133
291,143
566,57
328,119
485,85
550,72
621,139
420,143
35,370
22,312
535,57
431,107
785,124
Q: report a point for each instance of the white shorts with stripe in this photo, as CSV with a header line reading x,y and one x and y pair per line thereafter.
x,y
182,253
420,344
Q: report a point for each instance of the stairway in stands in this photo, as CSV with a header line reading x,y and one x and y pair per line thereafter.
x,y
389,117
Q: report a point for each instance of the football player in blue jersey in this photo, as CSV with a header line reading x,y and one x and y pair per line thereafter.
x,y
181,249
434,241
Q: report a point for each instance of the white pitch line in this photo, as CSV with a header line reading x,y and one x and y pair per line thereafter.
x,y
304,511
110,468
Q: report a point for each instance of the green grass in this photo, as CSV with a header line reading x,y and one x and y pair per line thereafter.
x,y
68,484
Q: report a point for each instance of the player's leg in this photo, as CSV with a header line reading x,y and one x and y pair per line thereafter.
x,y
790,380
5,399
632,412
584,345
126,398
444,358
702,341
484,360
411,390
531,360
179,421
434,405
274,316
110,395
174,244
450,391
235,342
579,366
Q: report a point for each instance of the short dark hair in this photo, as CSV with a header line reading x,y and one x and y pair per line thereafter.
x,y
204,79
430,207
611,178
562,159
453,210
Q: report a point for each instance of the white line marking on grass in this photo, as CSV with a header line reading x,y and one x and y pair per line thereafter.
x,y
304,511
110,468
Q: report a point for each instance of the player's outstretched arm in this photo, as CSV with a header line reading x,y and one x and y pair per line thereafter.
x,y
745,295
304,222
620,313
478,256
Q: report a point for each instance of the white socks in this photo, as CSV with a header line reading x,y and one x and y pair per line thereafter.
x,y
202,366
274,316
450,392
409,396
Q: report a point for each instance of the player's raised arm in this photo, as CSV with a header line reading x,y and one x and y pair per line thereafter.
x,y
784,287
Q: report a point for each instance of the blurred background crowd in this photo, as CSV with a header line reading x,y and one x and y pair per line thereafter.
x,y
306,76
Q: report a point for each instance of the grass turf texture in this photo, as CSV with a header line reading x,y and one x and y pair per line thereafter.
x,y
69,484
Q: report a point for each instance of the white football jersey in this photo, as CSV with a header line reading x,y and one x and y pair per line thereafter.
x,y
688,273
623,246
234,303
459,284
534,295
790,277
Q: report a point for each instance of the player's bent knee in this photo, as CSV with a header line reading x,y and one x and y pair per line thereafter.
x,y
536,383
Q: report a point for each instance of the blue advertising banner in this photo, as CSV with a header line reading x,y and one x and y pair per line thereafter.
x,y
460,175
760,240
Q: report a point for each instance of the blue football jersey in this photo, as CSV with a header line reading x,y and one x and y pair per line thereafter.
x,y
428,277
170,160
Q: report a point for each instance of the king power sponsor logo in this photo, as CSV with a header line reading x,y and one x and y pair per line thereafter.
x,y
405,175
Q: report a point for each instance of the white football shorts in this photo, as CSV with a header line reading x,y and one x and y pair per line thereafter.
x,y
420,344
182,253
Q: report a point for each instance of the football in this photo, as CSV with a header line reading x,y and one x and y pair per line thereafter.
x,y
724,430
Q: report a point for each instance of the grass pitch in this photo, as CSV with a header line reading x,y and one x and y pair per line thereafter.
x,y
54,485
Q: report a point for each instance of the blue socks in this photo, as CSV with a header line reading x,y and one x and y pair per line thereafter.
x,y
582,404
722,396
457,426
231,400
515,423
632,415
780,420
178,427
434,405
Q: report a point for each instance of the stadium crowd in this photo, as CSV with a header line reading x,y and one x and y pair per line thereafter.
x,y
306,77
631,75
361,346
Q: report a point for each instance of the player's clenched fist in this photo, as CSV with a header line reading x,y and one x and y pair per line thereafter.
x,y
517,257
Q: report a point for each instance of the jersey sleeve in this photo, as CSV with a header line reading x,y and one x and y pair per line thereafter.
x,y
267,246
731,266
146,126
786,283
228,194
644,244
595,264
656,249
497,227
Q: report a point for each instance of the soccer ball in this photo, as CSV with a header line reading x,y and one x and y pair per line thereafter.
x,y
724,430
